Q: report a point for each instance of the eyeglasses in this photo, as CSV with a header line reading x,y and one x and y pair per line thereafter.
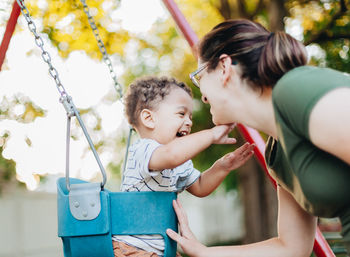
x,y
195,77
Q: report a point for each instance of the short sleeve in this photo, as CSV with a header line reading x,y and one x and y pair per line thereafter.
x,y
186,175
143,151
297,92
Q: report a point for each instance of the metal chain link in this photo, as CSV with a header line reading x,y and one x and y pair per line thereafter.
x,y
102,48
65,99
107,61
40,43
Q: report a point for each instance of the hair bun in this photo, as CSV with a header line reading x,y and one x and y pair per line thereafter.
x,y
281,54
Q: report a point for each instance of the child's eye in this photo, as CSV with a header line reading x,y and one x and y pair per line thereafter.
x,y
181,113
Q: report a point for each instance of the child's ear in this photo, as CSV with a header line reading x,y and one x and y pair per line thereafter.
x,y
147,119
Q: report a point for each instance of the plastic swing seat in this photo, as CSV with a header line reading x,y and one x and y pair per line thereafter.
x,y
89,216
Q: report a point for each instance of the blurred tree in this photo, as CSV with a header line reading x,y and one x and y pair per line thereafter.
x,y
7,167
20,109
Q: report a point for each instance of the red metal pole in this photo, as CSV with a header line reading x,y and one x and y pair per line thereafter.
x,y
10,27
183,25
321,247
253,136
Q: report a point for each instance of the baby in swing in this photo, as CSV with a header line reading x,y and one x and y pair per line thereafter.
x,y
160,110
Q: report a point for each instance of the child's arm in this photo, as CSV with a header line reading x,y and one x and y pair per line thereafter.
x,y
185,148
212,177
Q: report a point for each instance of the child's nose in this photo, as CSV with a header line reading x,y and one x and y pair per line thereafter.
x,y
188,122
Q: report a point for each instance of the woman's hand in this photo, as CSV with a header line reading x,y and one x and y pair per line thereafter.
x,y
296,232
236,158
186,239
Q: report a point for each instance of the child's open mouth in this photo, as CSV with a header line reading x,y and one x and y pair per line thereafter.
x,y
181,133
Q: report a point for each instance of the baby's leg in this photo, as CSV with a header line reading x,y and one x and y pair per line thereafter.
x,y
123,250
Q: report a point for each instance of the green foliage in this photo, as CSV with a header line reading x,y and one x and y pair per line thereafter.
x,y
327,24
68,28
27,111
21,109
338,55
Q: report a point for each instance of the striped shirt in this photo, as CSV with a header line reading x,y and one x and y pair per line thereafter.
x,y
137,177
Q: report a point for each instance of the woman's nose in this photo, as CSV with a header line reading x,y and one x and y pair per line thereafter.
x,y
204,99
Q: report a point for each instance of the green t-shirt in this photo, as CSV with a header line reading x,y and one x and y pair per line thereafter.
x,y
319,181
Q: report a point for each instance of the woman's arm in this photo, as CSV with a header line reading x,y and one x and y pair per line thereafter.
x,y
212,177
329,123
184,148
296,231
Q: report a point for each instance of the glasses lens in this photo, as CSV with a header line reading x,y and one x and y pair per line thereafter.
x,y
196,78
195,75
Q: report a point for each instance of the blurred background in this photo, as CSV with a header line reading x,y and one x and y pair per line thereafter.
x,y
142,39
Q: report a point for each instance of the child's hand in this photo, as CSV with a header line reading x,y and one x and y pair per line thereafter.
x,y
220,134
235,159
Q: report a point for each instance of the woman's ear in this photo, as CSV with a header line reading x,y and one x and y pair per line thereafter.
x,y
225,66
147,119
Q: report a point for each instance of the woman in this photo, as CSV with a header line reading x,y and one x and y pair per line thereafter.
x,y
251,76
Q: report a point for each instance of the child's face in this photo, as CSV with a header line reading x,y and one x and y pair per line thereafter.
x,y
173,116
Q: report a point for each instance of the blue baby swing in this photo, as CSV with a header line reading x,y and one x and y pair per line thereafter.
x,y
88,214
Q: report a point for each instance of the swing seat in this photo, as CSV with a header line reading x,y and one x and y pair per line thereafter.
x,y
89,216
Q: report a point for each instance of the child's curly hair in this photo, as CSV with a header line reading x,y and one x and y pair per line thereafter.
x,y
146,93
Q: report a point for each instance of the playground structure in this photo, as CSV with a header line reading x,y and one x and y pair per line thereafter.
x,y
321,247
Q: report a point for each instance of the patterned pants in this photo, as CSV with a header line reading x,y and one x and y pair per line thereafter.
x,y
123,250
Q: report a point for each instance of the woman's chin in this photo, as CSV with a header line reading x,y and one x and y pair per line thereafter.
x,y
218,122
215,121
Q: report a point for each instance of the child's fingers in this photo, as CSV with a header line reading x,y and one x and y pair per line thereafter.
x,y
247,155
250,148
230,141
232,126
229,127
242,148
242,153
247,147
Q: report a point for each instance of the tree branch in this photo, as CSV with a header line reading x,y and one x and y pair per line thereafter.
x,y
258,8
277,12
224,8
242,9
323,37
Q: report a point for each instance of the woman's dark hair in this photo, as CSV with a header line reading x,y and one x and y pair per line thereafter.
x,y
146,93
263,56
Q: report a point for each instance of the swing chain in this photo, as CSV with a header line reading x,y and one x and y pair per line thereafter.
x,y
65,99
102,48
107,61
40,43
